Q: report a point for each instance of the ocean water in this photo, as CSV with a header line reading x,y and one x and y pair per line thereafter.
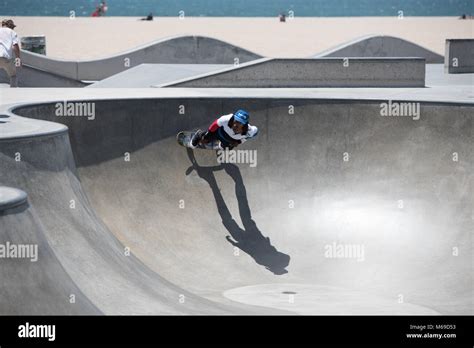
x,y
240,8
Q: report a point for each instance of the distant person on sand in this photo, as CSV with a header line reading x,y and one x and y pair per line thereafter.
x,y
8,46
96,13
103,8
282,17
100,10
148,18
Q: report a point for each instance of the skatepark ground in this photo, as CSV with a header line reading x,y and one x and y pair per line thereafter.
x,y
213,239
337,209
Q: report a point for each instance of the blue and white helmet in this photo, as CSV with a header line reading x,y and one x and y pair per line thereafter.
x,y
242,116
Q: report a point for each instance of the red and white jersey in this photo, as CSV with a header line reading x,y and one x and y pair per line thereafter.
x,y
222,125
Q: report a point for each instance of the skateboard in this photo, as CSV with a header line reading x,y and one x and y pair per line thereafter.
x,y
184,139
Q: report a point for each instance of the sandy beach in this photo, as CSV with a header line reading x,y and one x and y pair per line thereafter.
x,y
90,38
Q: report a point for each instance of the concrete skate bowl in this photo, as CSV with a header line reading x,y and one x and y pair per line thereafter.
x,y
41,71
382,46
231,238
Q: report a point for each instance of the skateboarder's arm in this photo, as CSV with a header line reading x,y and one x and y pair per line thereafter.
x,y
16,49
251,133
219,123
215,126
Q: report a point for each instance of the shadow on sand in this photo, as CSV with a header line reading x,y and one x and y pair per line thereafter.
x,y
249,239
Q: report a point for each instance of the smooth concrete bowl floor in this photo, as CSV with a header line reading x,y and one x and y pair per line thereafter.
x,y
345,212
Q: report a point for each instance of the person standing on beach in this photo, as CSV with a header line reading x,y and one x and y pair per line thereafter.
x,y
102,8
8,46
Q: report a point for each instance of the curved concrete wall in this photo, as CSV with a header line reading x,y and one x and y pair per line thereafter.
x,y
381,46
319,72
11,197
178,50
39,285
77,254
40,71
33,77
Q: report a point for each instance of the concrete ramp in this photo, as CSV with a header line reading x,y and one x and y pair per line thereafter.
x,y
148,75
77,254
317,72
41,71
37,284
382,46
344,210
33,77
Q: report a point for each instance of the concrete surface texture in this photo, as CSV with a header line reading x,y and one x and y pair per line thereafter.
x,y
436,76
11,197
34,77
459,56
314,72
147,75
382,46
206,237
457,90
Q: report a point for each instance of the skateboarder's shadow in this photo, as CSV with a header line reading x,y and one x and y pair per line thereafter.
x,y
249,239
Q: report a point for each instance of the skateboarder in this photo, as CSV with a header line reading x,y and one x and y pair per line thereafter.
x,y
231,130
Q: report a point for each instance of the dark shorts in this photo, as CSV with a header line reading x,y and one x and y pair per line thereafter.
x,y
218,135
